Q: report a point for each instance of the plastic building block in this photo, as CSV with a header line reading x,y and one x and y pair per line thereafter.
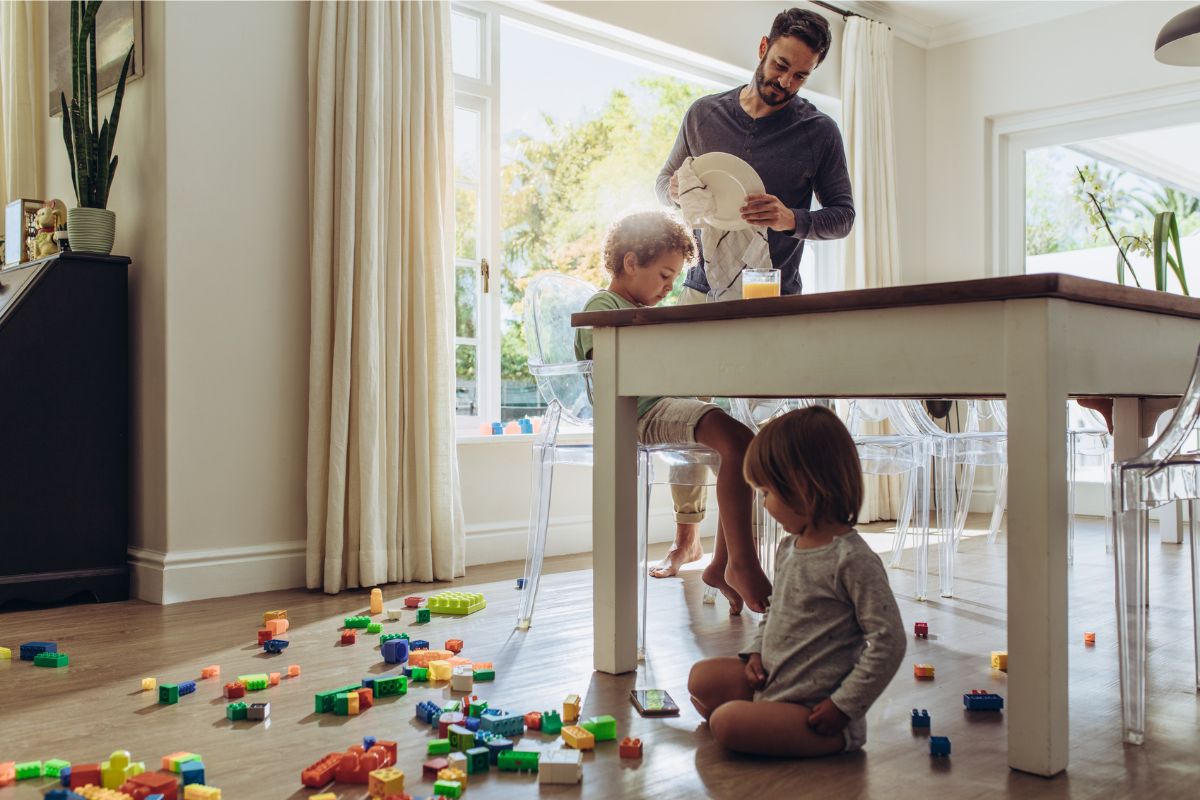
x,y
325,701
54,767
159,783
571,706
477,760
293,671
982,700
28,769
369,741
439,670
420,674
413,601
277,626
422,658
923,672
422,615
1000,660
118,769
50,660
517,760
233,691
458,603
520,584
497,745
1089,638
273,678
385,781
604,728
630,748
198,791
921,630
321,773
358,763
186,687
459,737
349,636
451,789
502,723
357,622
376,601
454,645
258,711
418,644
391,686
578,738
453,774
428,711
67,794
488,674
459,661
275,645
395,651
168,694
8,770
210,672
192,772
476,708
270,615
384,638
447,720
346,704
560,766
551,723
264,635
438,747
462,679
30,649
174,761
432,767
939,746
457,761
920,719
256,682
235,711
374,628
325,796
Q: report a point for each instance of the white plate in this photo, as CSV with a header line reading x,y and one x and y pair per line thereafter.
x,y
730,179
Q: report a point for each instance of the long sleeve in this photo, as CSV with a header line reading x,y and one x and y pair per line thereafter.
x,y
831,185
679,152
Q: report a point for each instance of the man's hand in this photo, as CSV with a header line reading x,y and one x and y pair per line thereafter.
x,y
673,190
768,211
826,719
756,676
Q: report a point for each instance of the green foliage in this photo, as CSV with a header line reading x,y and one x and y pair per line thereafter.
x,y
89,144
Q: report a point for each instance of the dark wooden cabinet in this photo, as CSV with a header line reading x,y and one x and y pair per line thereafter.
x,y
64,429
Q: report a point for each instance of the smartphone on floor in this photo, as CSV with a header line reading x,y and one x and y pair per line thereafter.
x,y
653,703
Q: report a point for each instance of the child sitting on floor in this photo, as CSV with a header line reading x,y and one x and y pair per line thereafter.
x,y
833,638
644,253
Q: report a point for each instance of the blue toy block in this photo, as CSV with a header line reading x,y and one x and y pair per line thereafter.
x,y
920,719
275,645
192,772
492,712
429,711
406,671
501,723
395,651
497,429
66,794
520,583
418,644
526,425
471,723
31,649
939,745
979,700
368,683
64,777
495,746
368,742
155,797
186,687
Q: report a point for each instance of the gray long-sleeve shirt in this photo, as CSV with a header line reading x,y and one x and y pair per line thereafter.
x,y
796,151
833,630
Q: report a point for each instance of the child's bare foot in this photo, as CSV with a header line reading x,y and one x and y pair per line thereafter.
x,y
685,550
751,583
714,576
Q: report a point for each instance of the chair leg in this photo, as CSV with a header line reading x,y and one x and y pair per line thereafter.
x,y
904,521
1071,500
1001,502
1130,532
644,488
1193,509
962,502
946,514
921,479
539,522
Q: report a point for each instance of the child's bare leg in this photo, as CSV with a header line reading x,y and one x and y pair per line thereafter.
x,y
714,573
735,534
716,681
767,728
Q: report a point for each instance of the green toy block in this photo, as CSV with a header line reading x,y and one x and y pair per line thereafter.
x,y
235,711
458,603
374,627
462,738
422,615
603,729
54,767
357,622
28,769
391,686
254,683
452,707
438,747
517,760
551,722
50,660
341,704
325,701
168,693
452,789
477,760
387,637
476,709
420,674
484,674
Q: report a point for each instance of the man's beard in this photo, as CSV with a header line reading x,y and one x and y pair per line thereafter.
x,y
760,84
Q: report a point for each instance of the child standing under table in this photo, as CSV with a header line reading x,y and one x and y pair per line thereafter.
x,y
833,639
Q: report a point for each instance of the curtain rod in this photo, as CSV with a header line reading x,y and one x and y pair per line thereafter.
x,y
843,12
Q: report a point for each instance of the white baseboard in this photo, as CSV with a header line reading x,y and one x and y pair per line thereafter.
x,y
166,578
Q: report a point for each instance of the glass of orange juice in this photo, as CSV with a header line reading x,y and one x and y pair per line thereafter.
x,y
760,283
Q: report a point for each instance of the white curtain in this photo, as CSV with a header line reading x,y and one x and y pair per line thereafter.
x,y
22,89
873,247
383,489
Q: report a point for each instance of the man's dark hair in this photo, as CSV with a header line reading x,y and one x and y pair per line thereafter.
x,y
807,26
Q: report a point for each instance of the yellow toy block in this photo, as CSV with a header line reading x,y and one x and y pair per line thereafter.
x,y
198,791
5,654
352,703
149,684
578,738
100,793
571,708
1000,660
453,774
376,601
118,769
270,615
440,670
323,796
388,780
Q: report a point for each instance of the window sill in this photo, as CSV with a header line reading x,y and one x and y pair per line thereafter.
x,y
526,439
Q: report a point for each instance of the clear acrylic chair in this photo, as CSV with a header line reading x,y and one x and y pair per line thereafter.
x,y
1087,437
1164,473
565,383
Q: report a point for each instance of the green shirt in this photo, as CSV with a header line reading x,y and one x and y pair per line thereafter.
x,y
604,300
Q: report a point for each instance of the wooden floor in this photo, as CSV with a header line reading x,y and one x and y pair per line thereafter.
x,y
84,712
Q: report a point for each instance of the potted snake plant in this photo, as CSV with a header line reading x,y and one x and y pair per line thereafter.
x,y
91,227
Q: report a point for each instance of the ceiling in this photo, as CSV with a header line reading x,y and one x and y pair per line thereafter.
x,y
934,23
1166,155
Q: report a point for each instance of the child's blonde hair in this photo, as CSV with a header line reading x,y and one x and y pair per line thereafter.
x,y
808,458
646,234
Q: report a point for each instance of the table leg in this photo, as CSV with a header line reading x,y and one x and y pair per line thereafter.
x,y
614,513
1037,553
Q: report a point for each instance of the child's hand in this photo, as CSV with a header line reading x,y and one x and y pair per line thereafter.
x,y
756,676
826,719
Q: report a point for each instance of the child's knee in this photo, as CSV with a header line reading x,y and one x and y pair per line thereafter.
x,y
697,683
726,725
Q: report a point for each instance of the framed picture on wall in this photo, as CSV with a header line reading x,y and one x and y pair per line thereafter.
x,y
118,25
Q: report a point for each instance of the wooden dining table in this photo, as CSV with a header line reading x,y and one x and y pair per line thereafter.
x,y
1034,340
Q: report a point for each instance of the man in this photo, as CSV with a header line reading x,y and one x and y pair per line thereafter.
x,y
797,151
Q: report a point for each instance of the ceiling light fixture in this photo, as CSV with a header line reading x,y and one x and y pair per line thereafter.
x,y
1179,41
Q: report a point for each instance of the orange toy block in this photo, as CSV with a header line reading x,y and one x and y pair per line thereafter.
x,y
923,672
322,772
8,773
234,690
459,661
630,748
273,679
454,645
421,658
277,626
366,699
376,601
349,636
270,615
293,670
1089,638
533,720
210,672
356,765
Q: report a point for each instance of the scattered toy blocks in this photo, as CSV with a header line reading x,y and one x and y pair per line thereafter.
x,y
454,645
1000,660
923,672
939,746
30,650
921,630
458,603
50,660
920,719
578,738
560,766
376,602
982,700
571,707
412,601
422,615
1089,638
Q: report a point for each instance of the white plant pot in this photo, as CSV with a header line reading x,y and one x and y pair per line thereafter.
x,y
91,230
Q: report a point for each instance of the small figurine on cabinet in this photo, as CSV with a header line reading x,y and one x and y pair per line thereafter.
x,y
47,221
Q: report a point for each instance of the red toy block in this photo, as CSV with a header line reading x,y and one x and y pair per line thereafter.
x,y
8,773
348,636
233,691
357,766
264,636
454,645
446,720
83,774
413,600
366,698
313,776
398,797
921,630
533,720
1089,638
293,670
390,747
139,787
630,748
433,766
